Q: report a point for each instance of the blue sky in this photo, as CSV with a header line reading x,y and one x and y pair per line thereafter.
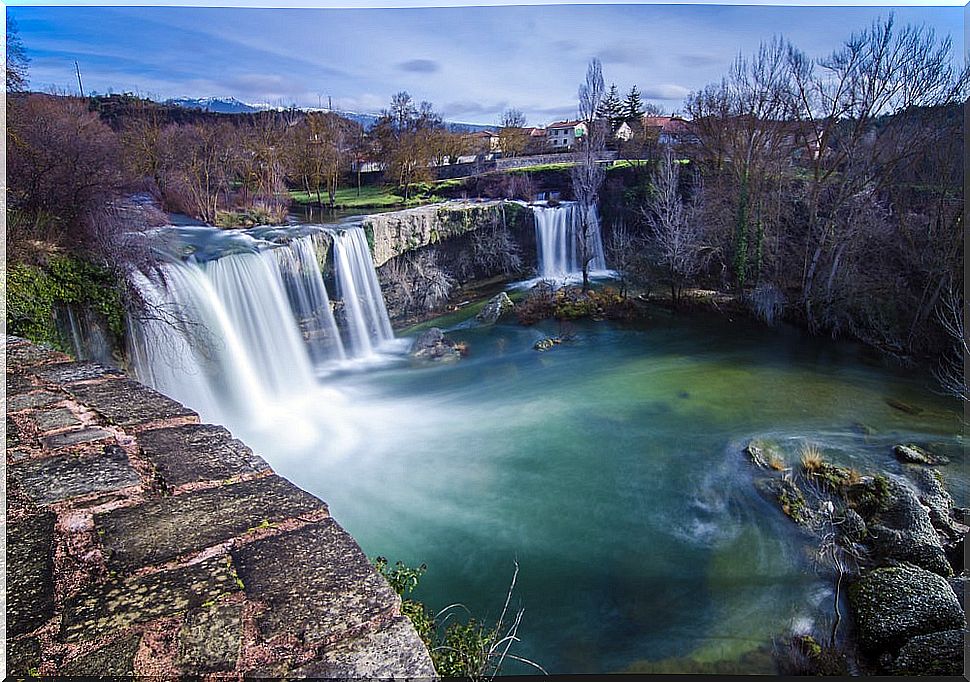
x,y
471,62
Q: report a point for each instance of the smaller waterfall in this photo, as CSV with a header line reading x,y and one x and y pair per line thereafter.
x,y
558,229
309,301
365,314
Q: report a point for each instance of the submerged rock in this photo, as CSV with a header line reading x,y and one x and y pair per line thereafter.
x,y
789,497
938,653
914,454
433,346
895,604
547,343
762,454
498,306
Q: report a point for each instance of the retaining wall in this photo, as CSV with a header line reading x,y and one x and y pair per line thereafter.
x,y
142,542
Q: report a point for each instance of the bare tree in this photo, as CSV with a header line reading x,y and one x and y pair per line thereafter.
x,y
588,174
16,59
952,373
676,235
513,135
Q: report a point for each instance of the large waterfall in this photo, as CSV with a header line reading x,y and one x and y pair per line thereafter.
x,y
232,336
367,322
558,229
309,300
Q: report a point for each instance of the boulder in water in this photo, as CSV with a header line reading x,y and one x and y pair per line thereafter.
x,y
914,454
894,604
938,653
547,343
433,346
499,305
900,529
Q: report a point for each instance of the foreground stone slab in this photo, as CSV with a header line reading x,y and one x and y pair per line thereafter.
x,y
21,355
54,418
393,652
317,582
198,452
163,529
114,660
70,372
34,399
122,602
61,477
30,573
210,638
128,403
77,437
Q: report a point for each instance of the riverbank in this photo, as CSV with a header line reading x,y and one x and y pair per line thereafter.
x,y
143,542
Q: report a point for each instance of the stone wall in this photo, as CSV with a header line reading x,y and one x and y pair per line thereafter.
x,y
142,542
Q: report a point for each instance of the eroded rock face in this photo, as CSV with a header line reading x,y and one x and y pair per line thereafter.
x,y
498,306
397,232
433,346
897,603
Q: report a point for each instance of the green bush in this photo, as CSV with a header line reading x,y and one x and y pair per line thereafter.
x,y
34,294
459,650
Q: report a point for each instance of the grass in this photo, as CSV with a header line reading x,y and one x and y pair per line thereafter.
x,y
811,459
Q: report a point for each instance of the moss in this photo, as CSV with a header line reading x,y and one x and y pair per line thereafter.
x,y
34,294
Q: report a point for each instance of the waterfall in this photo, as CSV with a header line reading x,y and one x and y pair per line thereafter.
x,y
557,231
221,337
365,315
309,300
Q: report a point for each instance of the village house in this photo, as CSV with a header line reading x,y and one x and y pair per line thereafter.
x,y
562,135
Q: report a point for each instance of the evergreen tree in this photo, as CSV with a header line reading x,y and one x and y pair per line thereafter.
x,y
633,107
611,109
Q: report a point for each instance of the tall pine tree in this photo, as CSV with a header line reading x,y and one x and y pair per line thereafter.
x,y
633,107
611,109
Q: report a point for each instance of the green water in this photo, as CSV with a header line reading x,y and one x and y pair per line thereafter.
x,y
611,469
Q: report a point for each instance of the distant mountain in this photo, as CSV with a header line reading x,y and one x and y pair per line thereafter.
x,y
219,105
231,105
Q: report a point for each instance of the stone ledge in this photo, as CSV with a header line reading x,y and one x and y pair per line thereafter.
x,y
164,529
171,451
237,571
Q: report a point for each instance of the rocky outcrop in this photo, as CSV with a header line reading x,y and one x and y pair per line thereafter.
x,y
433,346
902,531
499,305
914,454
397,232
141,542
894,604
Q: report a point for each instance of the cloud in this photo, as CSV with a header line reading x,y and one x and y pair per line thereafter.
x,y
665,91
623,55
471,108
696,61
420,66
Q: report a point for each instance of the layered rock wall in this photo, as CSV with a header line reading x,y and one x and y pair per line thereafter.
x,y
142,542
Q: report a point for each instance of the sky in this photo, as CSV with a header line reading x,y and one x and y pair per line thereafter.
x,y
472,63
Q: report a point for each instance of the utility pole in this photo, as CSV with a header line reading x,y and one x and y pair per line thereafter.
x,y
329,103
78,70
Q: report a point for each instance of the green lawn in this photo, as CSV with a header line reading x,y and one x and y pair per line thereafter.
x,y
378,196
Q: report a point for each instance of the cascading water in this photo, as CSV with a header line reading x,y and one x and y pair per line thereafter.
x,y
558,229
367,323
309,300
223,339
